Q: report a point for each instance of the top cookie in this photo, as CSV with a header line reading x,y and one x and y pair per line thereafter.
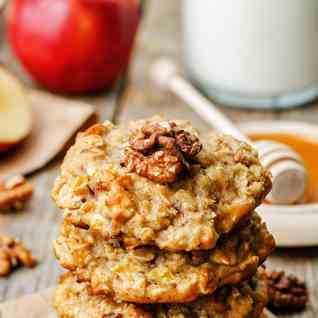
x,y
158,183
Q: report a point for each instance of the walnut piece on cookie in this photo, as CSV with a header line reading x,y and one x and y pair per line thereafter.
x,y
159,183
15,191
160,151
12,255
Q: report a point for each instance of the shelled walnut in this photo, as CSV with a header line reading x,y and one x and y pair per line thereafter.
x,y
13,254
15,191
286,292
160,151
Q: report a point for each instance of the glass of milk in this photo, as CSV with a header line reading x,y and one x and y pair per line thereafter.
x,y
253,53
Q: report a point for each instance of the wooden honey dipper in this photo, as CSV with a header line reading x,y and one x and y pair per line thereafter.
x,y
286,166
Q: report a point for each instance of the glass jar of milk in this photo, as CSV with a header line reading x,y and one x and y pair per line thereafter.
x,y
253,53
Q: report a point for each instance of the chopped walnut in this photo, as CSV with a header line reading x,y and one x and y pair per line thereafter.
x,y
12,255
286,291
189,144
160,151
15,191
162,166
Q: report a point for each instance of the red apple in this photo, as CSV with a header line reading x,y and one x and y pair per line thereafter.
x,y
73,46
15,111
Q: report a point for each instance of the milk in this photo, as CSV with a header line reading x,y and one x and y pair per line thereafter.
x,y
253,52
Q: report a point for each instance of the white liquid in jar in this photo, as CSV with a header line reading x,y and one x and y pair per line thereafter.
x,y
258,48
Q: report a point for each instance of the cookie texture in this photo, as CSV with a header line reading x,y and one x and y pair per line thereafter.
x,y
75,299
158,183
150,275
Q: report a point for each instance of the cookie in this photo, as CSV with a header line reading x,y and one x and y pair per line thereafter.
x,y
75,299
150,275
159,183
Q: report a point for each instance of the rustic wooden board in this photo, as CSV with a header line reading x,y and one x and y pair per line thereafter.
x,y
161,35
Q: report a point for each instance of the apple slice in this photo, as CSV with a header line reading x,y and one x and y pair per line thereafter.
x,y
15,111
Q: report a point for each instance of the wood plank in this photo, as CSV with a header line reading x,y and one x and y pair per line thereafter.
x,y
36,305
36,226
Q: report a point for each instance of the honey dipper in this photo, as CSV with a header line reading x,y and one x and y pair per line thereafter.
x,y
286,166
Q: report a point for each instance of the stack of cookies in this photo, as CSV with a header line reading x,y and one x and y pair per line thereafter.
x,y
159,222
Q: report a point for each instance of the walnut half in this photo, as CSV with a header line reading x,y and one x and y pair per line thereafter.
x,y
13,254
160,151
15,191
286,291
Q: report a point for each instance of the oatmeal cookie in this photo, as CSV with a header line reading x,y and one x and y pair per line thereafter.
x,y
149,275
158,183
75,299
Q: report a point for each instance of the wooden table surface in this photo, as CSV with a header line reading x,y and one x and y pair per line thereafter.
x,y
37,225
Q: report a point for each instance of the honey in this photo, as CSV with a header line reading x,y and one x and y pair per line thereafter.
x,y
308,150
